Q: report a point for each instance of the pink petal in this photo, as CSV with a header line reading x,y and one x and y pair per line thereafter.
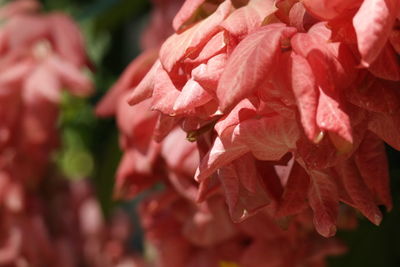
x,y
268,138
165,124
248,18
180,45
358,191
386,65
387,127
191,96
395,40
242,202
136,122
15,74
145,88
23,31
331,117
222,153
372,164
373,23
250,63
375,95
42,83
324,200
244,110
329,9
67,39
135,173
165,93
187,10
180,155
216,45
306,94
18,8
209,74
131,76
294,196
71,77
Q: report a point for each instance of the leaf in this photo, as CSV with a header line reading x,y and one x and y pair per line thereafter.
x,y
373,23
250,63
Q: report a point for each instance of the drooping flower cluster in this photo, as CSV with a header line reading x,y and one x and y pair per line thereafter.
x,y
40,55
46,220
287,105
289,102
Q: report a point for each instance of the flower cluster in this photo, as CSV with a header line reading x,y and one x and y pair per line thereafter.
x,y
46,220
40,55
286,104
289,102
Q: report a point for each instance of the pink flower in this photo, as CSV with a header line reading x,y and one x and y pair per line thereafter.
x,y
36,63
284,89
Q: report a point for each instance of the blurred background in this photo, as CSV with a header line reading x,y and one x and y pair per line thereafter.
x,y
90,145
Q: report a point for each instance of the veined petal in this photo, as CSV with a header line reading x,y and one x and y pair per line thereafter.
x,y
187,10
372,164
306,94
358,191
373,23
248,18
329,9
191,96
250,63
145,88
179,45
131,76
387,127
268,138
295,192
244,110
165,93
324,201
332,117
386,65
223,152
